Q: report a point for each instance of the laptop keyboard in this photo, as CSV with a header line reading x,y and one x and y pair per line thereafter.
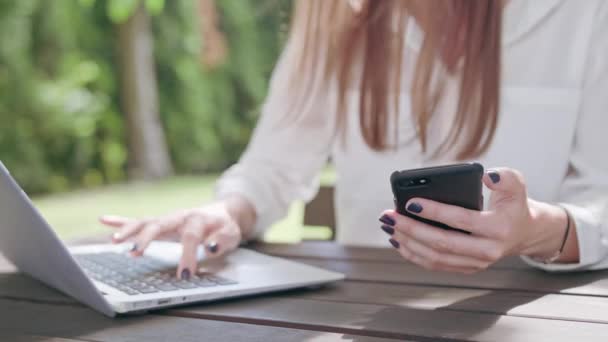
x,y
142,275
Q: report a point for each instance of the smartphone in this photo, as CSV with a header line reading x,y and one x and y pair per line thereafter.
x,y
457,184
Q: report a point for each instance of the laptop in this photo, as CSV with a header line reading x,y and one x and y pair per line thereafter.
x,y
108,280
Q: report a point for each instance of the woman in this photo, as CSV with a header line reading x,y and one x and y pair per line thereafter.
x,y
387,85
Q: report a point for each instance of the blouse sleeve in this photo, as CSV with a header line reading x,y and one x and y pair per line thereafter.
x,y
289,146
584,192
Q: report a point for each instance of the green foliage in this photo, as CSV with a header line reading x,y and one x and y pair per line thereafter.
x,y
155,7
210,117
61,123
120,10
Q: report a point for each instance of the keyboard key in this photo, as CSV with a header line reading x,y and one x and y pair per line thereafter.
x,y
112,283
148,290
127,290
224,281
139,286
205,283
185,285
220,280
166,287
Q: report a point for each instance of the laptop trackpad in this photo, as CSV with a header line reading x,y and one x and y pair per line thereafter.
x,y
169,252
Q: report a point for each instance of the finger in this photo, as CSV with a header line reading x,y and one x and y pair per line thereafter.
x,y
172,226
445,241
435,260
416,259
505,182
157,229
147,234
127,231
222,241
114,221
192,236
454,216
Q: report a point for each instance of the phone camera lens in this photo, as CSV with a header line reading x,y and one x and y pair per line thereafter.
x,y
405,183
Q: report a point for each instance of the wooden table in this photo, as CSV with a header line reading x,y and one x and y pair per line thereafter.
x,y
383,299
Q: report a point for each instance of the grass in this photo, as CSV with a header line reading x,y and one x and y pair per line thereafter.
x,y
74,214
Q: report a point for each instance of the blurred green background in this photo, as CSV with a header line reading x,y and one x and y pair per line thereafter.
x,y
132,107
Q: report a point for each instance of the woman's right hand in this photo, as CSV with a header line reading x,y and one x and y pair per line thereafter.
x,y
212,226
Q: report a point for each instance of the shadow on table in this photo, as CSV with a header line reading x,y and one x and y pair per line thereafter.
x,y
30,308
466,319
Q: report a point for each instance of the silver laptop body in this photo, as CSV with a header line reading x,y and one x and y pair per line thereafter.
x,y
100,275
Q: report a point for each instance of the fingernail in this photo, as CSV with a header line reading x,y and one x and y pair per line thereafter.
x,y
414,208
387,220
212,247
394,243
185,274
388,229
134,247
494,176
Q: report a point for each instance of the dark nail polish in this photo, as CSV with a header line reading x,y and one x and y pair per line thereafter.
x,y
394,243
494,176
388,229
387,220
186,274
414,208
212,247
134,248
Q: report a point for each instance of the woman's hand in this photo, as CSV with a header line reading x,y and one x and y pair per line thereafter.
x,y
512,225
216,226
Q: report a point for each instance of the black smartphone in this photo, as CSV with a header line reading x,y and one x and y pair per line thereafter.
x,y
457,184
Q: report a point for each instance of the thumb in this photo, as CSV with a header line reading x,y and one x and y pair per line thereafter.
x,y
505,183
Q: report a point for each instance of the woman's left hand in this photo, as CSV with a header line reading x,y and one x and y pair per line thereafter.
x,y
513,224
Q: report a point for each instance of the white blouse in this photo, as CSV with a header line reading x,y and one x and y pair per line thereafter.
x,y
553,127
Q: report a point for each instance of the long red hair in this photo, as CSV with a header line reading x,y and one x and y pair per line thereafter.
x,y
364,48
